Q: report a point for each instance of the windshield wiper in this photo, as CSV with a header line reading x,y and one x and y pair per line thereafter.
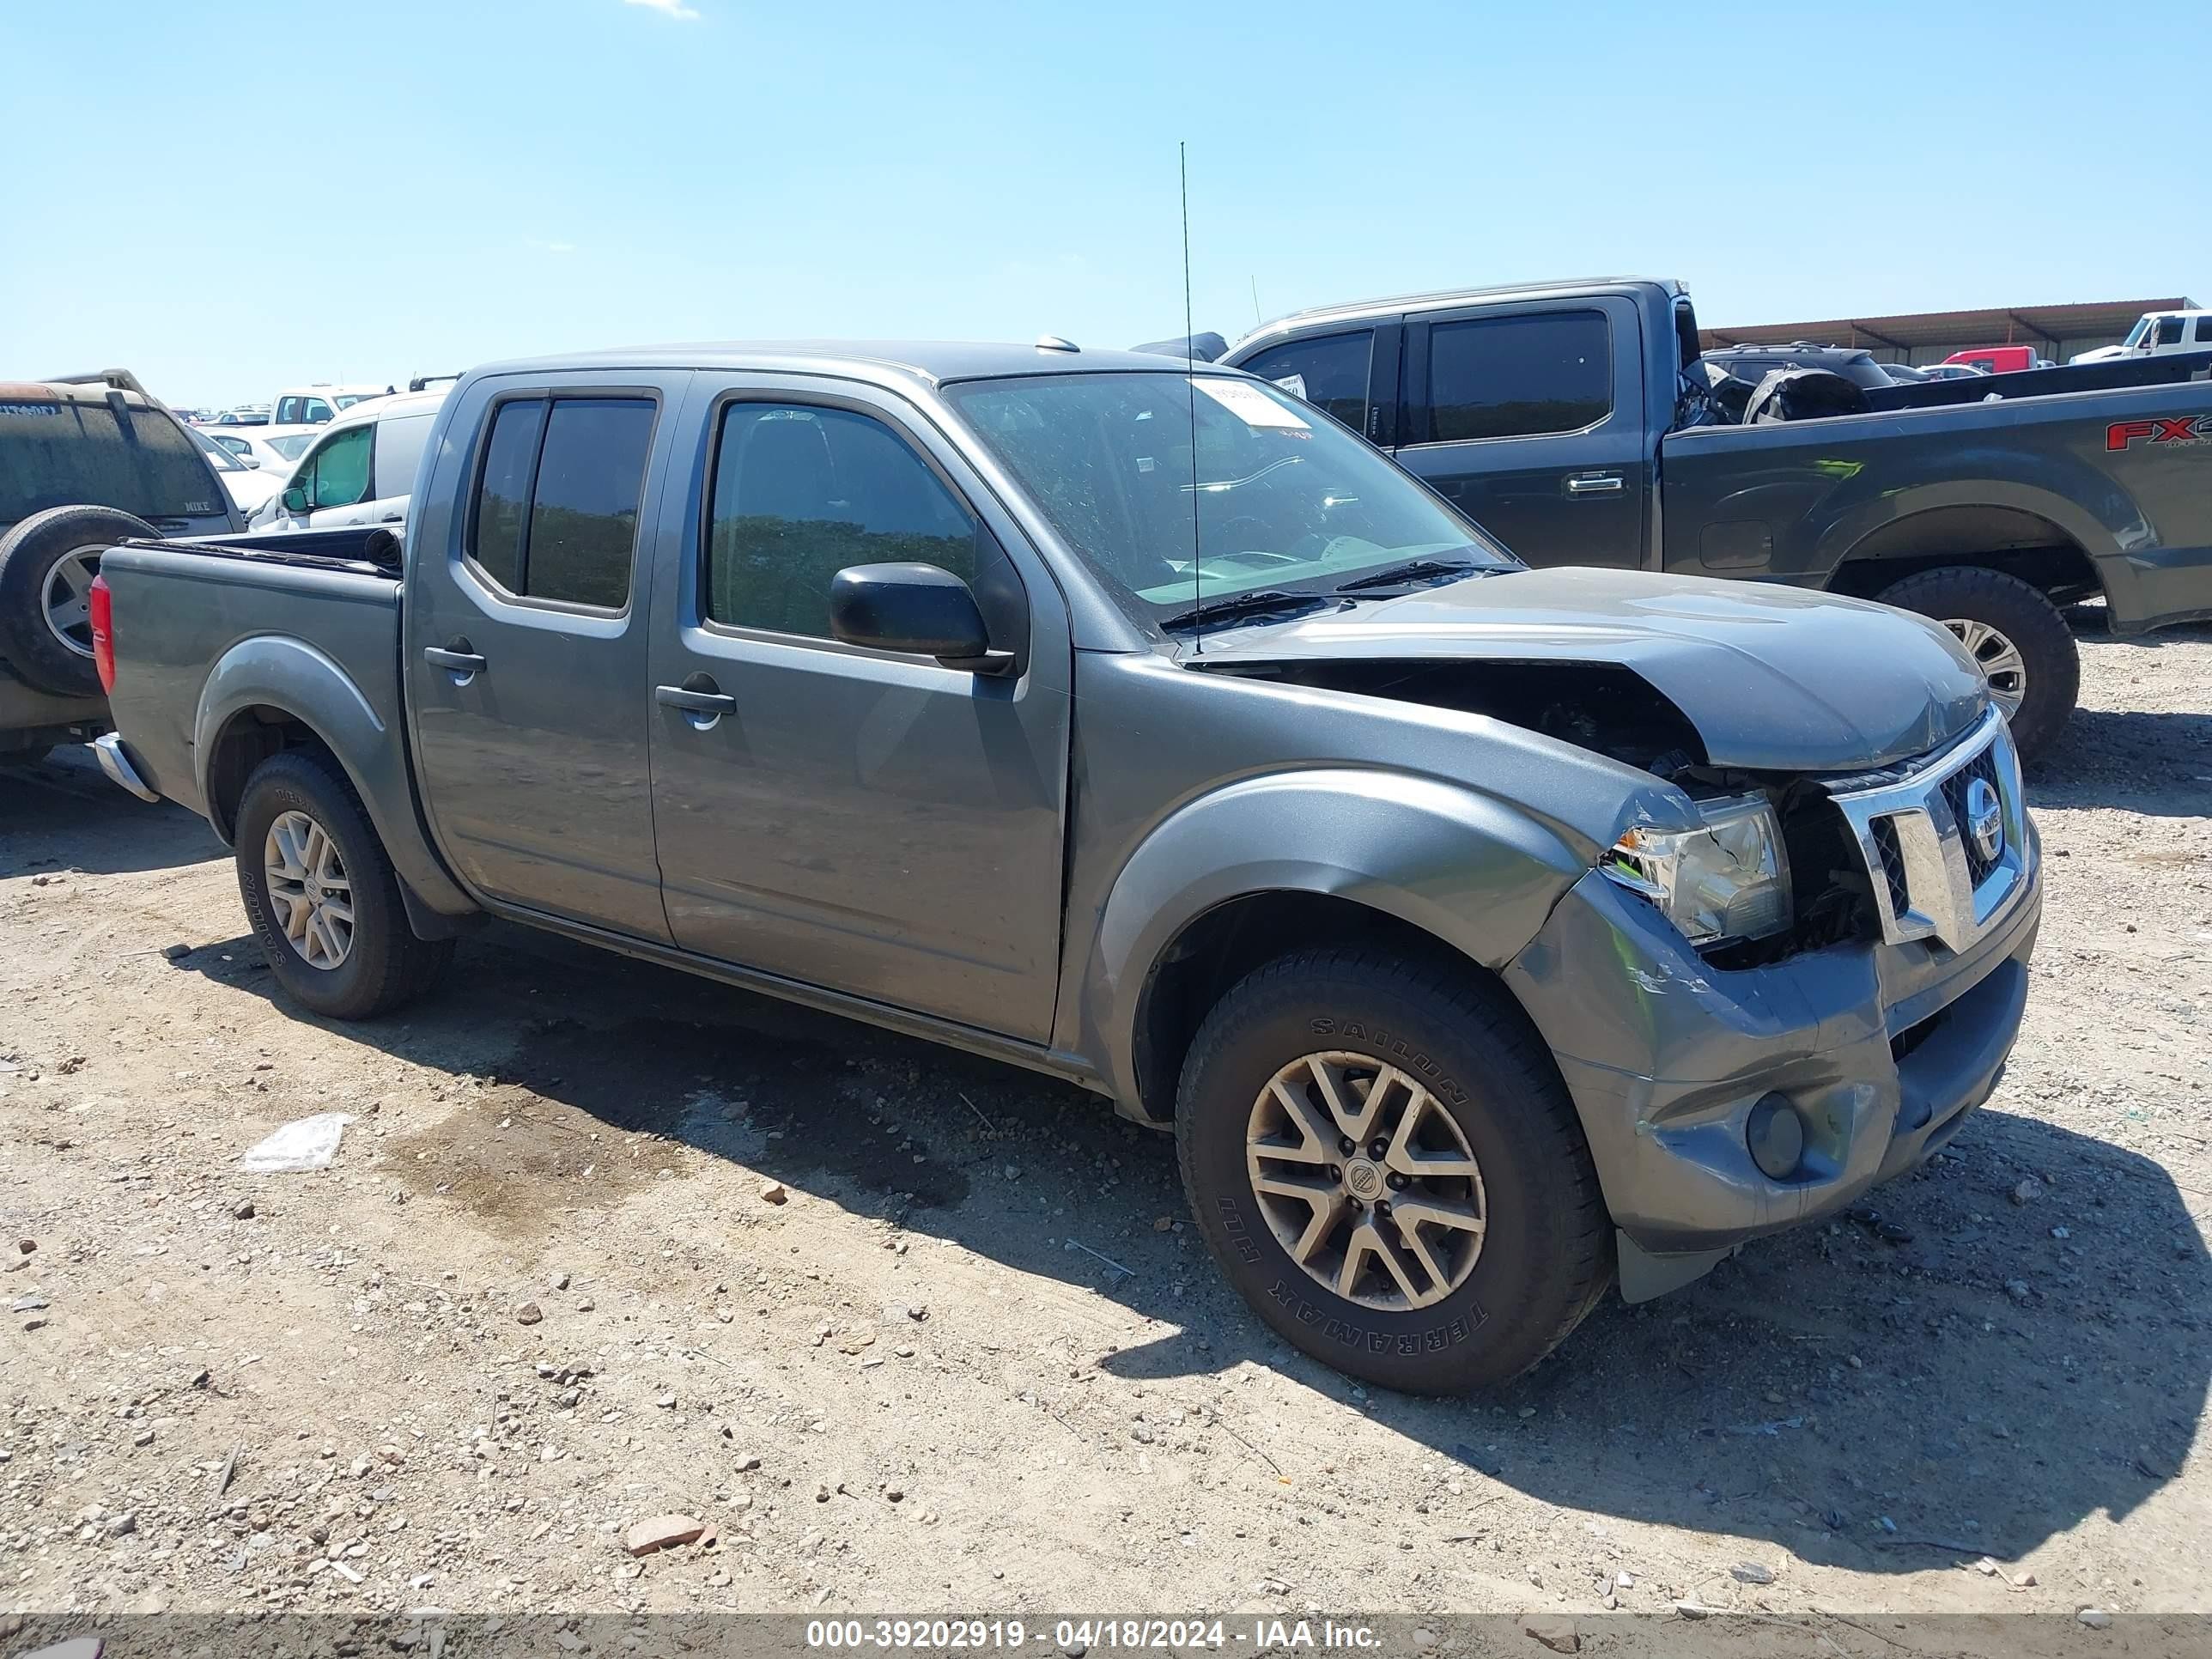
x,y
1415,569
1266,602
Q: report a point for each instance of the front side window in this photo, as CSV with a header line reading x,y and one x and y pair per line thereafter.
x,y
2169,331
337,475
1512,377
555,515
315,411
801,492
1276,496
1330,372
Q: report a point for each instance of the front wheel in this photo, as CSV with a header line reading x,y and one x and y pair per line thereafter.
x,y
321,893
1386,1164
2015,636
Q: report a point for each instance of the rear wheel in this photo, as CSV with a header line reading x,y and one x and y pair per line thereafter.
x,y
2014,633
322,896
1383,1159
46,566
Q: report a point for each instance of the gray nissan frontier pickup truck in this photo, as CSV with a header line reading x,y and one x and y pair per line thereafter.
x,y
1484,933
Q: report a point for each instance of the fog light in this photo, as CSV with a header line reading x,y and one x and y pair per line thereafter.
x,y
1776,1135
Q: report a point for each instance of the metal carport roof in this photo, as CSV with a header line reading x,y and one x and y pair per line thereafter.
x,y
1997,325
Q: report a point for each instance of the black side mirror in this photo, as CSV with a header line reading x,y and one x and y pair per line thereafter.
x,y
296,498
917,608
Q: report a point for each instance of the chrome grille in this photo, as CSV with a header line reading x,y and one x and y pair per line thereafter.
x,y
1930,880
1983,767
1884,834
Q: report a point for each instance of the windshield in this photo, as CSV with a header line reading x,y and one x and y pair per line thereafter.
x,y
348,399
2141,332
291,446
1287,498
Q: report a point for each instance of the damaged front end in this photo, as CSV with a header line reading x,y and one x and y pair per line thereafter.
x,y
1791,986
1771,871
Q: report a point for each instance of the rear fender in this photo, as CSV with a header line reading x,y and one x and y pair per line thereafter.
x,y
306,685
1464,868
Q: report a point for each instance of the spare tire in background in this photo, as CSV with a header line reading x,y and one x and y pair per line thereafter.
x,y
46,566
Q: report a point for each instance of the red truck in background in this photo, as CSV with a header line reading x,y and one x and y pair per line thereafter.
x,y
2000,359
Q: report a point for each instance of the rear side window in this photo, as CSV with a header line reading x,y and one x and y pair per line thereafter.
x,y
800,493
1509,377
1330,373
59,452
557,508
398,452
288,412
2204,331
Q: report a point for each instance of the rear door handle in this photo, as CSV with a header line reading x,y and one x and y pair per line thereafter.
x,y
695,702
455,662
1601,484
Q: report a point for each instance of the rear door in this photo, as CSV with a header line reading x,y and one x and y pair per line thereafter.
x,y
1530,419
865,821
1351,373
526,649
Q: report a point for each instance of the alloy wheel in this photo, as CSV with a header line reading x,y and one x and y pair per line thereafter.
x,y
1999,660
68,599
1366,1181
308,890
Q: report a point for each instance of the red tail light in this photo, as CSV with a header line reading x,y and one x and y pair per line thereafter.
x,y
103,634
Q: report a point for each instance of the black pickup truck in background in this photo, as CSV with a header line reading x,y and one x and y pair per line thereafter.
x,y
1564,418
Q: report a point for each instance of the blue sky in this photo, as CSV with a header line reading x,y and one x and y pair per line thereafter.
x,y
232,197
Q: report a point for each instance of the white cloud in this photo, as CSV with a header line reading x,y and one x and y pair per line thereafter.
x,y
675,8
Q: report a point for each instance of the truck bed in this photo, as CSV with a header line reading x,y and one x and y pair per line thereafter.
x,y
1784,502
194,618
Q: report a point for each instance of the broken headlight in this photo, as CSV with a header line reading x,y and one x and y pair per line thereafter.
x,y
1729,880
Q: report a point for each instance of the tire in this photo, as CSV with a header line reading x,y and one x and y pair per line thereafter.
x,y
383,964
1546,1258
28,554
2021,619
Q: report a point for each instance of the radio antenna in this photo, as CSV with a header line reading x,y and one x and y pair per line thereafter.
x,y
1190,384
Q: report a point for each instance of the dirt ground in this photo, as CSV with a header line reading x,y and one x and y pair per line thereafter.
x,y
974,1359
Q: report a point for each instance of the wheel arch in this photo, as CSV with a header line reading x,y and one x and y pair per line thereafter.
x,y
1433,868
2046,543
269,694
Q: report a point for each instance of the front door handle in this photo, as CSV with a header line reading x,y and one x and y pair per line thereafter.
x,y
695,702
455,662
1596,483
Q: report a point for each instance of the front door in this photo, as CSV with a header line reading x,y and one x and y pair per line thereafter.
x,y
526,651
1530,420
867,822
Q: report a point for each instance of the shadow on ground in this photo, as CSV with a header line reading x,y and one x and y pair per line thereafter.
x,y
2006,1372
62,813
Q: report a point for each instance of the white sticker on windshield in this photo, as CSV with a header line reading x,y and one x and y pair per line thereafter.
x,y
1249,404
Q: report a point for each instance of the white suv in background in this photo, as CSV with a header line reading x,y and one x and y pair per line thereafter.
x,y
359,470
312,405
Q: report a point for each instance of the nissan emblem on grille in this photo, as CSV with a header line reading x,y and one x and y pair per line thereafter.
x,y
1984,820
1945,863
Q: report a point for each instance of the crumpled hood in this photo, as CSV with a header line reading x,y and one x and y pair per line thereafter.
x,y
1774,679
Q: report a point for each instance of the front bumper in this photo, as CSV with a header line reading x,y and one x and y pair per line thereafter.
x,y
1883,1048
